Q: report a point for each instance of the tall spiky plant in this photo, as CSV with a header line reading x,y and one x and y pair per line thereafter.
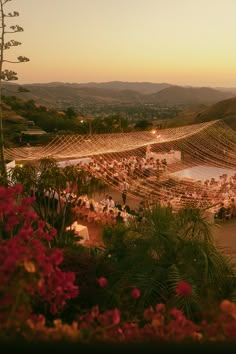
x,y
5,74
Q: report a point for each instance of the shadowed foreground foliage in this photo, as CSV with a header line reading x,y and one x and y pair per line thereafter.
x,y
166,248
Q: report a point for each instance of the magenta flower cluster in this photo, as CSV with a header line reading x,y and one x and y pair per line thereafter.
x,y
28,267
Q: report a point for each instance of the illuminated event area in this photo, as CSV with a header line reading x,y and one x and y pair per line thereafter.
x,y
193,165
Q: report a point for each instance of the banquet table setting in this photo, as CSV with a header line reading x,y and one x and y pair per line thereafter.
x,y
80,230
100,212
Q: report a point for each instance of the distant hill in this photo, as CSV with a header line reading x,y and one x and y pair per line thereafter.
x,y
187,116
225,109
141,87
56,95
189,95
226,89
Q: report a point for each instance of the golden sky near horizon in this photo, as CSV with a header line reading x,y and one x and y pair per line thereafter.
x,y
183,42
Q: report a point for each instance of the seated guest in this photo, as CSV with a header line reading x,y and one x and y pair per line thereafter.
x,y
119,218
119,207
221,212
105,209
110,219
111,203
107,200
141,210
228,213
164,164
79,202
127,209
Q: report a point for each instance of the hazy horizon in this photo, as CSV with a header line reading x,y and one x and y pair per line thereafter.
x,y
122,81
184,42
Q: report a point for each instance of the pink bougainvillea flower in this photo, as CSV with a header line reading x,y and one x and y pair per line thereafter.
x,y
24,248
183,289
41,224
160,308
148,314
228,307
102,282
18,188
53,232
176,313
135,293
116,316
95,311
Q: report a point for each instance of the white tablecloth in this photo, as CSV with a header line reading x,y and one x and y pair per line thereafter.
x,y
80,230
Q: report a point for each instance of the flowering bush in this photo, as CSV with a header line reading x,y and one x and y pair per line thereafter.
x,y
159,324
92,274
28,267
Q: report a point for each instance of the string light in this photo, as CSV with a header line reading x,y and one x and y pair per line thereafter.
x,y
210,144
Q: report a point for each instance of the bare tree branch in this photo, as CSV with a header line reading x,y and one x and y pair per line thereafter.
x,y
5,74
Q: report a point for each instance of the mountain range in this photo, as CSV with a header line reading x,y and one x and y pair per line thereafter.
x,y
58,94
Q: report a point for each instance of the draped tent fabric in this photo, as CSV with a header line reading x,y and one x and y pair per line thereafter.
x,y
208,147
75,146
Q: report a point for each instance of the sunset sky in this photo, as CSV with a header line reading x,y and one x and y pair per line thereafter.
x,y
183,42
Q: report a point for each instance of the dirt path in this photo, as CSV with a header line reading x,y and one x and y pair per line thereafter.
x,y
225,235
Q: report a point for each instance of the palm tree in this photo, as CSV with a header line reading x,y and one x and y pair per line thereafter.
x,y
163,250
46,176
